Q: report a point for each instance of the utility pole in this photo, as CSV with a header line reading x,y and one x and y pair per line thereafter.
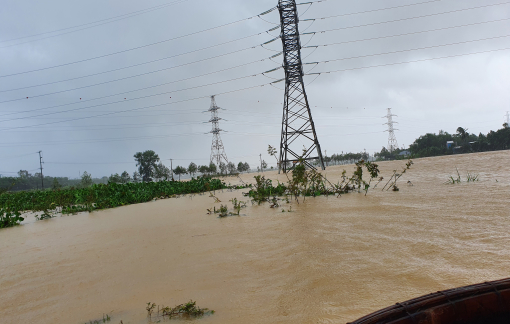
x,y
172,168
217,149
40,165
392,140
507,119
297,122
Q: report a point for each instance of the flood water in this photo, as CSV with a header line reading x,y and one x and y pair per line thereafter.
x,y
330,260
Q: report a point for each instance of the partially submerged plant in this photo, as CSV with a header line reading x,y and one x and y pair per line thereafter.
x,y
394,178
187,310
9,218
469,178
150,309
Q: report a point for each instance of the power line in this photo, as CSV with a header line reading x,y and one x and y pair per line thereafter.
x,y
414,61
328,61
121,139
143,97
95,23
359,40
411,49
135,109
133,48
139,64
138,75
208,59
375,10
409,18
407,34
325,72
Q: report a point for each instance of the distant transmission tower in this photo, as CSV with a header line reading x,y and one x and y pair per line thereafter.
x,y
392,140
298,130
217,149
507,118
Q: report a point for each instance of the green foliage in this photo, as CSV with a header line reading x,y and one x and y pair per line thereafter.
x,y
56,185
464,142
304,183
223,210
146,163
180,170
95,197
123,178
86,180
212,168
264,189
469,178
231,168
187,310
162,172
243,167
9,218
192,169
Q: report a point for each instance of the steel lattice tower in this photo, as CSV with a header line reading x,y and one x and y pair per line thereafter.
x,y
297,122
507,118
392,140
217,149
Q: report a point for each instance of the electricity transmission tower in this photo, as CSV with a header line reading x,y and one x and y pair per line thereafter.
x,y
507,118
299,139
217,149
392,140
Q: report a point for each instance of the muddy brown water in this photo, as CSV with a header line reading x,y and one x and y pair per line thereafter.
x,y
330,260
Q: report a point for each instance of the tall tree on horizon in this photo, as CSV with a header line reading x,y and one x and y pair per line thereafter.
x,y
146,163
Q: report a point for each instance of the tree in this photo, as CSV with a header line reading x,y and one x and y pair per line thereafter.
x,y
86,179
161,172
462,133
204,169
115,178
223,168
56,185
231,167
192,169
240,167
264,165
180,170
146,163
125,177
243,167
136,177
212,168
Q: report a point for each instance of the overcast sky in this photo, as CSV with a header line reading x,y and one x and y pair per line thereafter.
x,y
78,113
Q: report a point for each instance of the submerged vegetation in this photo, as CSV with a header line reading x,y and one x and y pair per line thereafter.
x,y
100,196
305,183
185,311
470,177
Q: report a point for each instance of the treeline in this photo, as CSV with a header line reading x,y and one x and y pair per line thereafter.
x,y
346,158
444,143
149,169
28,181
463,142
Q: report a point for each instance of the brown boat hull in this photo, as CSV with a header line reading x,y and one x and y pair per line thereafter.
x,y
477,304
